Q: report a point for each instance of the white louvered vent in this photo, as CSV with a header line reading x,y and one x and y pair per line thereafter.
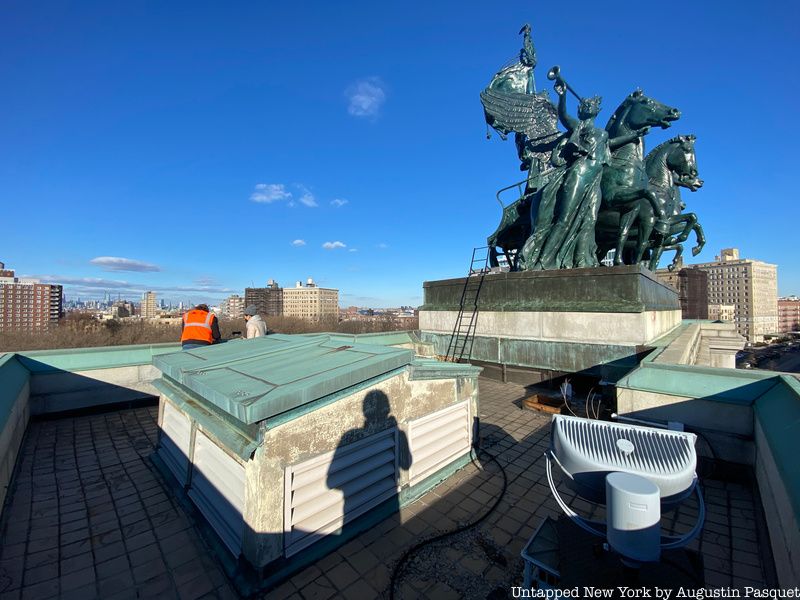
x,y
588,449
176,431
325,492
218,488
437,439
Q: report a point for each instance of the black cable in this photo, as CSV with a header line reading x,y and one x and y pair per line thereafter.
x,y
714,457
404,559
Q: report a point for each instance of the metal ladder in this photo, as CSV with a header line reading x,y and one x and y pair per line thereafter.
x,y
460,347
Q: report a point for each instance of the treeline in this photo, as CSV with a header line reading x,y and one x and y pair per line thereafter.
x,y
80,330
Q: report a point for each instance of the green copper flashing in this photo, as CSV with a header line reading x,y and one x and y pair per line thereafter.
x,y
711,383
256,379
422,369
389,338
778,413
86,359
238,438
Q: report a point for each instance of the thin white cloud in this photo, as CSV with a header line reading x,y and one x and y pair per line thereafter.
x,y
298,243
382,246
352,250
103,285
267,193
365,97
334,245
339,202
306,197
115,263
205,281
361,299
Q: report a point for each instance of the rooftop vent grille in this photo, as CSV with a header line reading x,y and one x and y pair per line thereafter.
x,y
324,493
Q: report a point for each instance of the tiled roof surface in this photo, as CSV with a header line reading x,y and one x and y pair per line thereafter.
x,y
90,516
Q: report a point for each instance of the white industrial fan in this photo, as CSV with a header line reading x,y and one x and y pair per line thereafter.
x,y
635,471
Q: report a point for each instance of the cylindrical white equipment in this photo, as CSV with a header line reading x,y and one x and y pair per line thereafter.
x,y
633,515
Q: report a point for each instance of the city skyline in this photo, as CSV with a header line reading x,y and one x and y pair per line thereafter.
x,y
373,174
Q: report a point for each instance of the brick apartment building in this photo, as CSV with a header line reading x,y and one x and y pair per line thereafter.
x,y
27,304
267,300
692,286
788,314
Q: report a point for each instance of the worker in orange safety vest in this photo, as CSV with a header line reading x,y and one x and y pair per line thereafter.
x,y
199,327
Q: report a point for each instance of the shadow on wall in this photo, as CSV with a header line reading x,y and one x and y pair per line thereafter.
x,y
353,477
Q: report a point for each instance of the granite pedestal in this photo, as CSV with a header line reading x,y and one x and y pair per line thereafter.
x,y
536,325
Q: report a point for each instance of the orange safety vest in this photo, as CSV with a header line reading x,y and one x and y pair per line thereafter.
x,y
197,326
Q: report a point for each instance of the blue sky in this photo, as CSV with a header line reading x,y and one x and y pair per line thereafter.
x,y
213,146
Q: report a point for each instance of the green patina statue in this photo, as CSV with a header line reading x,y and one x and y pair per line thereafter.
x,y
564,234
588,190
669,167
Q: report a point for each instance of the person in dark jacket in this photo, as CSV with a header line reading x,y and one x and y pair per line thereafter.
x,y
199,327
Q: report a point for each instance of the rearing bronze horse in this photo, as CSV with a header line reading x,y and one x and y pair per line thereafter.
x,y
625,180
669,167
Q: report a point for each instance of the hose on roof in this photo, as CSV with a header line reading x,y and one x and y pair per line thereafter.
x,y
405,558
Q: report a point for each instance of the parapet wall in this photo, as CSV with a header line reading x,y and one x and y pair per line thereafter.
x,y
777,429
64,380
54,381
702,343
748,417
14,415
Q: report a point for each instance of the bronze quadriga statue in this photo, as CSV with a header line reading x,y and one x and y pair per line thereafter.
x,y
588,189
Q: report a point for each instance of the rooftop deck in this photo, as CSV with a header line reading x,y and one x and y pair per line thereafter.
x,y
89,515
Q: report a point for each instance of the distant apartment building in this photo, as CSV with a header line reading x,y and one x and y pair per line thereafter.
x,y
788,314
28,304
121,309
267,300
692,287
233,307
722,312
149,309
310,301
751,286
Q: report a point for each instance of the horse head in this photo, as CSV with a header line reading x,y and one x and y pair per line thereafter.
x,y
682,162
638,111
